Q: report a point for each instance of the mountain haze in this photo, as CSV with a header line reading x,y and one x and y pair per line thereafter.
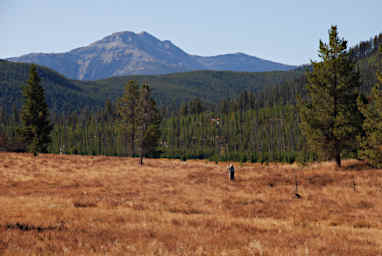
x,y
129,53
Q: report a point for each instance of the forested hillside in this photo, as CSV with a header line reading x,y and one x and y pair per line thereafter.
x,y
209,86
64,95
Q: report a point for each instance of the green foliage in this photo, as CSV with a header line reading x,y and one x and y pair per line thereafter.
x,y
127,107
330,120
264,134
148,122
197,88
36,126
371,141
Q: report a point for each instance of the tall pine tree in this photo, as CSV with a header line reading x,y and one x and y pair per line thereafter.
x,y
330,119
148,121
128,113
371,142
36,126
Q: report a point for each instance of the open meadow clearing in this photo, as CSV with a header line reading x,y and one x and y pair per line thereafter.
x,y
97,205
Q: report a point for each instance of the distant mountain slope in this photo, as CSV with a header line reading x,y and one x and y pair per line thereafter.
x,y
169,90
209,86
240,62
127,53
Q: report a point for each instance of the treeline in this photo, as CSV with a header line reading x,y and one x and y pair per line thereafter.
x,y
366,48
257,135
252,127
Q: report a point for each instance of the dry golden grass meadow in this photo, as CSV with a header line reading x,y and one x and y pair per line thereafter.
x,y
97,205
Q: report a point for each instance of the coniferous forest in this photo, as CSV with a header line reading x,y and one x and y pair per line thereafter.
x,y
237,116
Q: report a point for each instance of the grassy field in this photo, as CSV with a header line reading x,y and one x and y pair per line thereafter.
x,y
96,205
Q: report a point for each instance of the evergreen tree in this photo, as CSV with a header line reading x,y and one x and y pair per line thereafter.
x,y
128,113
148,121
196,106
36,126
183,109
330,119
371,142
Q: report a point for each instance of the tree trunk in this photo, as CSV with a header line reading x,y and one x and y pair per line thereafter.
x,y
141,159
132,144
338,159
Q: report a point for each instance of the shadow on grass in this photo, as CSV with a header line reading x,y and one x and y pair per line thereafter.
x,y
359,166
27,227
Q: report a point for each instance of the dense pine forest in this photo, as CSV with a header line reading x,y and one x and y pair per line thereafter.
x,y
205,114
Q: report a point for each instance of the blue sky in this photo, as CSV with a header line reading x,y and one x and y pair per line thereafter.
x,y
285,31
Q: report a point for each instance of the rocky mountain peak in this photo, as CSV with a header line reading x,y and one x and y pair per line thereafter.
x,y
126,52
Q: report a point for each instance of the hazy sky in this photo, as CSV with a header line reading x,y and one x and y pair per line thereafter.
x,y
285,31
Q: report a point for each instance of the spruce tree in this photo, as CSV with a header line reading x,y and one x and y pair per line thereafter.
x,y
329,118
371,142
128,113
36,127
148,121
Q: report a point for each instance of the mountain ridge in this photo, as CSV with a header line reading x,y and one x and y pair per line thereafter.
x,y
129,53
169,90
